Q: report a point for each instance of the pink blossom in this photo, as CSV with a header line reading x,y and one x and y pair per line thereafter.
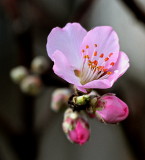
x,y
86,59
111,109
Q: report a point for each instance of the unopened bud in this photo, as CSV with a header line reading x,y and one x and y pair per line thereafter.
x,y
18,74
111,109
39,64
76,129
31,85
60,99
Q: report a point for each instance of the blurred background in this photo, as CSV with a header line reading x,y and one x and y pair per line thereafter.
x,y
28,128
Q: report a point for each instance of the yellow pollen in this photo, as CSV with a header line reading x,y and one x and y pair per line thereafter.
x,y
87,46
95,53
109,73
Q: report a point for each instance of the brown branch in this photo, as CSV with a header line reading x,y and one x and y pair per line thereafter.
x,y
136,9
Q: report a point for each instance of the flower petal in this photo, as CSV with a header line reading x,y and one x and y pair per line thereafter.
x,y
63,69
82,89
104,41
101,84
120,67
68,41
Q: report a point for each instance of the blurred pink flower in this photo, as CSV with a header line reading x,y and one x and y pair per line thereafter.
x,y
111,109
86,59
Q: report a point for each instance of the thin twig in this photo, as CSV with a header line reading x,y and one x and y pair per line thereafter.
x,y
136,9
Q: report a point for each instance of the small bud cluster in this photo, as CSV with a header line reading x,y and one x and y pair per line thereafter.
x,y
106,108
29,80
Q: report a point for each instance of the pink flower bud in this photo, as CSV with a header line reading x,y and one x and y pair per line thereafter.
x,y
60,99
111,109
31,85
18,73
76,128
39,65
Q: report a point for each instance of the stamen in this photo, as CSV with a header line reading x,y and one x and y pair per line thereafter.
x,y
105,70
95,53
93,68
95,62
100,68
102,55
110,54
86,56
106,59
109,73
87,46
83,50
112,63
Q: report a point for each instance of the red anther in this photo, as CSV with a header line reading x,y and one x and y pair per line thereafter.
x,y
110,54
112,63
106,59
95,53
102,55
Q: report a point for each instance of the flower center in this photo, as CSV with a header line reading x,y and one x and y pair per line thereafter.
x,y
94,65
